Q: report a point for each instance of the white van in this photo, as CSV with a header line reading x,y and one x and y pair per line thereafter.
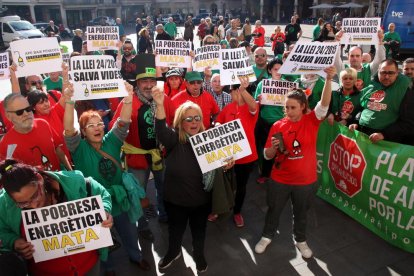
x,y
12,27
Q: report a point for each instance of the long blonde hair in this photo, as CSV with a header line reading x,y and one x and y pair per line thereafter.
x,y
180,116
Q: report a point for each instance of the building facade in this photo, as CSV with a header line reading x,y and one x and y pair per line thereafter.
x,y
77,13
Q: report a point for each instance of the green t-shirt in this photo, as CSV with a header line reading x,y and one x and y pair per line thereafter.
x,y
381,105
92,163
260,72
171,29
269,113
316,32
389,37
364,74
345,107
50,85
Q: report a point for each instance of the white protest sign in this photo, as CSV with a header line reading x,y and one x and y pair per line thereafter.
x,y
215,146
362,31
274,91
67,228
206,56
4,66
96,77
310,58
36,56
102,37
233,64
171,53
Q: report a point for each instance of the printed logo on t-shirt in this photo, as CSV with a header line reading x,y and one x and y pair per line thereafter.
x,y
296,152
106,168
347,109
44,160
375,100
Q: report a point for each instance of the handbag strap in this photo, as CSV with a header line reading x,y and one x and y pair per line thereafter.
x,y
106,155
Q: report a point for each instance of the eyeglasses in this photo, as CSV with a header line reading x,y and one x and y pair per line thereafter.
x,y
20,111
189,119
195,82
34,198
36,82
209,43
261,55
90,126
390,73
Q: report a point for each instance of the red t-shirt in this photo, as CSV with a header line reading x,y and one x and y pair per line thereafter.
x,y
248,120
299,166
36,148
55,120
259,40
207,103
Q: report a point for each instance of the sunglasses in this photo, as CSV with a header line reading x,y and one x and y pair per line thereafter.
x,y
261,55
90,126
20,111
36,82
34,198
195,82
189,119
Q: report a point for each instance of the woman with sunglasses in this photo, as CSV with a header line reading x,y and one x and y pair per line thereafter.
x,y
27,187
98,156
292,145
185,199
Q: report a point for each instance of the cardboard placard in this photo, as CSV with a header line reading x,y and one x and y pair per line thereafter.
x,y
36,56
67,228
96,77
215,146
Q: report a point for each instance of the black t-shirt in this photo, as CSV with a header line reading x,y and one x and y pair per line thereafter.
x,y
292,31
146,130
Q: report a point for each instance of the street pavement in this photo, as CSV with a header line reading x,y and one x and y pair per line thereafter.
x,y
341,246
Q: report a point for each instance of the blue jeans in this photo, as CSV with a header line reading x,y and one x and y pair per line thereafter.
x,y
142,176
129,237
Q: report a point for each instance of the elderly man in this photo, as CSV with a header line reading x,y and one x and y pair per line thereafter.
x,y
387,103
121,29
142,151
213,86
30,140
161,34
195,94
392,42
365,71
171,28
52,29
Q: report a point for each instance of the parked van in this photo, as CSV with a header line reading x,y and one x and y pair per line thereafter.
x,y
12,27
401,13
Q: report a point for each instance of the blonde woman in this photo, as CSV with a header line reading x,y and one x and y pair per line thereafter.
x,y
185,198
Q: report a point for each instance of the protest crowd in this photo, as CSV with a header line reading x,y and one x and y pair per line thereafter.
x,y
198,121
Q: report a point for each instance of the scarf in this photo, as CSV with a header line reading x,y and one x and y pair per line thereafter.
x,y
152,105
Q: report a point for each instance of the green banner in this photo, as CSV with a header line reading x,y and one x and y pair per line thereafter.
x,y
372,183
